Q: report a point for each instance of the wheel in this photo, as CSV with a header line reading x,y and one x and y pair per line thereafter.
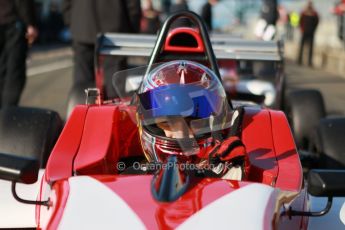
x,y
327,143
304,109
29,132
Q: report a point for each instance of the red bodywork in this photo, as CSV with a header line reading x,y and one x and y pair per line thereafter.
x,y
96,137
109,133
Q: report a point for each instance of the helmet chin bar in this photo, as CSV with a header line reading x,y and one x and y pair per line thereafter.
x,y
158,147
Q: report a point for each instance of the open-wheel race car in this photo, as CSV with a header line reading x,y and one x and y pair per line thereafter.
x,y
252,71
173,150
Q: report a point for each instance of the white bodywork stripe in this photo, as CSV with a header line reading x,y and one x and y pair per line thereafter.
x,y
244,208
92,205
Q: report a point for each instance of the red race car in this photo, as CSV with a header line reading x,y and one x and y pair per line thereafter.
x,y
178,153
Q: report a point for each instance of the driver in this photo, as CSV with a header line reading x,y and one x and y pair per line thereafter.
x,y
183,111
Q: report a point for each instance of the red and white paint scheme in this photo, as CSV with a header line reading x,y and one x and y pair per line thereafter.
x,y
127,208
86,191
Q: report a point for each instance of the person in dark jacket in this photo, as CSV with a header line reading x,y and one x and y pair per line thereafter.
x,y
269,11
180,5
17,31
266,26
86,19
308,23
150,22
206,13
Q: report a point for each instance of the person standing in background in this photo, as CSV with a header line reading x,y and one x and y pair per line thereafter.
x,y
266,26
339,11
294,22
269,11
308,23
284,21
180,5
17,31
206,13
87,18
166,4
150,22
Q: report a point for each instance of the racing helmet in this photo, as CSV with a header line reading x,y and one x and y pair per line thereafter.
x,y
181,105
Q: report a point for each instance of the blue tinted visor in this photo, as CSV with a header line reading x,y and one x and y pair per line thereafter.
x,y
188,100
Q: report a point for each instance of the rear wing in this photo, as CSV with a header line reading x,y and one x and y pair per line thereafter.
x,y
224,47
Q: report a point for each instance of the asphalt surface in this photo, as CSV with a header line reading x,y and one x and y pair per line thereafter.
x,y
331,86
50,78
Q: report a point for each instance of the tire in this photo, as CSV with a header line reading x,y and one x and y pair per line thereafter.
x,y
29,132
77,96
304,109
327,143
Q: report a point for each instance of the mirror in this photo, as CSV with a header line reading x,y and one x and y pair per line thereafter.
x,y
18,169
328,183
